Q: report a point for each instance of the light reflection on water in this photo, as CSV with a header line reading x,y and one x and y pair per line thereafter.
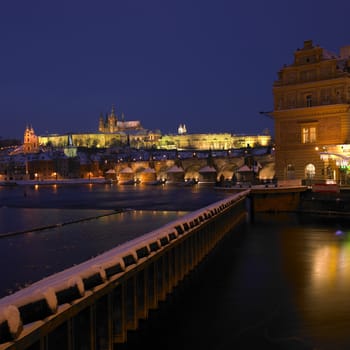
x,y
15,219
315,260
283,281
33,255
320,277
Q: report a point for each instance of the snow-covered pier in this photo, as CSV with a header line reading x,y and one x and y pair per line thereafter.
x,y
99,301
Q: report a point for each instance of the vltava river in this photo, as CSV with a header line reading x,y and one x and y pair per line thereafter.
x,y
81,222
280,282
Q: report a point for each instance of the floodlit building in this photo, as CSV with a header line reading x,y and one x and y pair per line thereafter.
x,y
312,115
112,124
119,133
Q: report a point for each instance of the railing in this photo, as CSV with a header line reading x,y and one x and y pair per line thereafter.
x,y
93,305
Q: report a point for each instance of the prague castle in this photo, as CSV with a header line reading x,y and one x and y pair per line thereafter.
x,y
139,155
113,132
312,115
111,124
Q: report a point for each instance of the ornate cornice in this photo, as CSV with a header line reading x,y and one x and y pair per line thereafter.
x,y
312,111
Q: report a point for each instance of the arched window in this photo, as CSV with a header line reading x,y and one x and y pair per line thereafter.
x,y
310,171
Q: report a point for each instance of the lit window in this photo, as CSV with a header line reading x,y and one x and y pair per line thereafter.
x,y
309,101
308,134
310,171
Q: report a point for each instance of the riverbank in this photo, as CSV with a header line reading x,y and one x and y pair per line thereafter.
x,y
94,180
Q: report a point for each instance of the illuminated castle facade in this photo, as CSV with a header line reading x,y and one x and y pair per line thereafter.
x,y
111,124
113,132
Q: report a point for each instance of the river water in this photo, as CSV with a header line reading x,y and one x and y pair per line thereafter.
x,y
45,229
280,282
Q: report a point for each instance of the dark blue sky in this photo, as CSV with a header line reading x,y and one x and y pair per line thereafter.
x,y
208,64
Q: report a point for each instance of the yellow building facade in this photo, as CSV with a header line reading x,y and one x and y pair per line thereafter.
x,y
119,133
215,141
154,140
312,115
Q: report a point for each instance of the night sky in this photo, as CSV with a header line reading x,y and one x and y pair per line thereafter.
x,y
207,64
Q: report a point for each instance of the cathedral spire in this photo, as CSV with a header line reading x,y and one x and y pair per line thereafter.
x,y
113,111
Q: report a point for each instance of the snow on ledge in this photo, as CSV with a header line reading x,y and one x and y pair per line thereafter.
x,y
98,269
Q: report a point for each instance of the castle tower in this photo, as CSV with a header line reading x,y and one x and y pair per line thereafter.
x,y
112,120
101,123
182,129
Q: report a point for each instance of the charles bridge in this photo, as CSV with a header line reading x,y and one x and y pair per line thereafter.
x,y
201,166
143,166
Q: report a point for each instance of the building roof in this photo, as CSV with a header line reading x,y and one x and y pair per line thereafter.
x,y
126,170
